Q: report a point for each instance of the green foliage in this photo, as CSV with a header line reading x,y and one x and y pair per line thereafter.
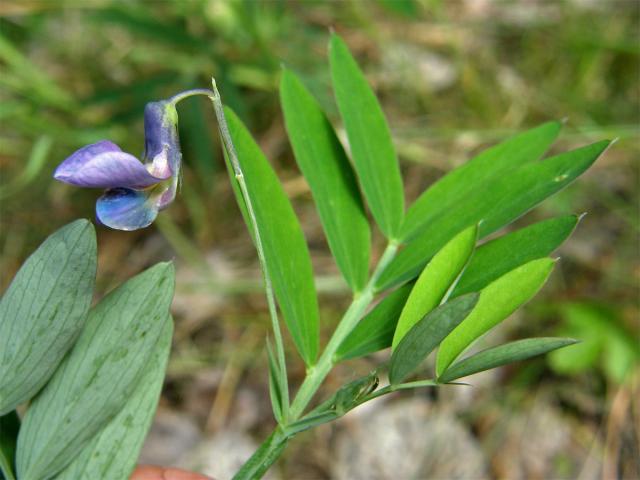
x,y
372,150
497,301
495,204
276,383
446,193
326,167
285,249
98,376
9,426
427,334
113,452
44,310
499,256
605,342
375,331
502,355
435,280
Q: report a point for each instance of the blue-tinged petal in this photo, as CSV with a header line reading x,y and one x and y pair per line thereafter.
x,y
104,165
127,209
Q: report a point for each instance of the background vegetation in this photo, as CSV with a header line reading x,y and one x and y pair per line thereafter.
x,y
453,77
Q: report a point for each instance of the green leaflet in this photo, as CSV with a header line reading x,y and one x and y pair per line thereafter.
x,y
98,376
9,426
497,301
444,194
285,249
43,311
435,280
372,150
375,331
276,385
327,170
113,453
502,355
499,256
496,204
427,334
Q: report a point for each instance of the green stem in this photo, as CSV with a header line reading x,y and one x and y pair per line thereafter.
x,y
264,457
317,373
190,93
237,170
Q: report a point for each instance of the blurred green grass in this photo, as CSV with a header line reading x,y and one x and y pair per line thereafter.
x,y
453,77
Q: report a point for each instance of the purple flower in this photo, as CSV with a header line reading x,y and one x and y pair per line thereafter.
x,y
136,191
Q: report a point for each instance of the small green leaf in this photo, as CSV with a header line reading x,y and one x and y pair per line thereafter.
x,y
9,427
348,396
331,179
375,331
435,280
113,453
495,204
499,256
286,253
497,301
605,342
372,150
98,376
427,334
502,355
275,386
43,311
440,197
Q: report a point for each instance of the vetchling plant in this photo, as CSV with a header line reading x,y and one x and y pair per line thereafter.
x,y
92,376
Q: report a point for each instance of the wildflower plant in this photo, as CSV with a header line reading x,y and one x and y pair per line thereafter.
x,y
92,376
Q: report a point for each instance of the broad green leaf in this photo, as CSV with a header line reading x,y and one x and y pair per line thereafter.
x,y
444,194
435,280
285,249
499,256
427,334
9,426
497,301
495,204
113,453
98,376
43,311
327,170
502,355
372,150
375,331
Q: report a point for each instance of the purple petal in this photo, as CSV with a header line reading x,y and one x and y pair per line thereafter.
x,y
161,142
104,165
127,209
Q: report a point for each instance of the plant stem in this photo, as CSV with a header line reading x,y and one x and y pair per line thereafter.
x,y
264,457
317,373
190,93
237,170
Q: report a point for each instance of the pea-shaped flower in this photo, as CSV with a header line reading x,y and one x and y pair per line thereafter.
x,y
136,190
